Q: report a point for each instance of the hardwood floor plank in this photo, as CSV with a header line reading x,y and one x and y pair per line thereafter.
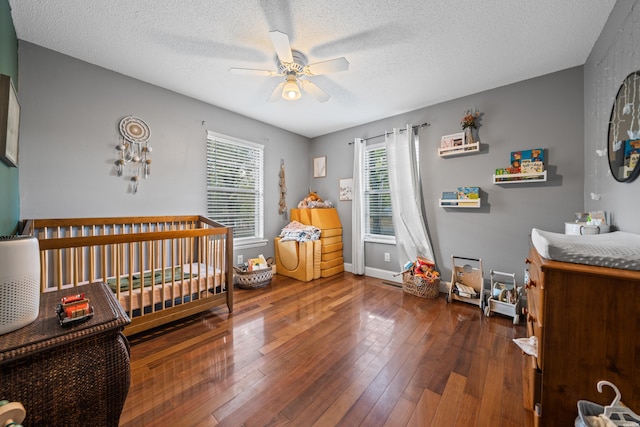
x,y
450,401
455,356
425,409
340,351
468,411
401,414
477,372
491,405
512,399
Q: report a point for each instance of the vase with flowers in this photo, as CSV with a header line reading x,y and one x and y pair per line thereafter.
x,y
469,122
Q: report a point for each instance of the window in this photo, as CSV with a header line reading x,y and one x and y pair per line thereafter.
x,y
377,196
235,195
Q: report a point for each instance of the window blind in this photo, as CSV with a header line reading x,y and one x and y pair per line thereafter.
x,y
235,196
376,192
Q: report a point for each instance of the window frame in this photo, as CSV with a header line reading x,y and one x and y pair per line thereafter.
x,y
368,236
258,238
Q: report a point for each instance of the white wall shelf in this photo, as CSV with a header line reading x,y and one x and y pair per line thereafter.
x,y
459,150
520,178
460,203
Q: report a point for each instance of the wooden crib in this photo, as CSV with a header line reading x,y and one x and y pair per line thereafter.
x,y
161,268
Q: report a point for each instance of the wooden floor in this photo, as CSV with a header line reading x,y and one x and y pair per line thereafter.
x,y
344,350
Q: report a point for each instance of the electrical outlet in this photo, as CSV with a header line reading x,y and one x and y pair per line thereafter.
x,y
387,257
240,259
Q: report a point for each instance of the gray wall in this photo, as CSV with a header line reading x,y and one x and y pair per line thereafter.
x,y
544,112
615,55
70,113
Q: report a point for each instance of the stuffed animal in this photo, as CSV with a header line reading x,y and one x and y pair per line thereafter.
x,y
312,197
312,200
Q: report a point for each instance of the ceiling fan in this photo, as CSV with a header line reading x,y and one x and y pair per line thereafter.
x,y
292,65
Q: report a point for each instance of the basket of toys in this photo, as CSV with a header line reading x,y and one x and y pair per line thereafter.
x,y
420,278
254,274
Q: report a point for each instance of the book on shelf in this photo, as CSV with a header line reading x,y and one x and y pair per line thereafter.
x,y
472,193
449,195
533,155
529,166
502,171
454,140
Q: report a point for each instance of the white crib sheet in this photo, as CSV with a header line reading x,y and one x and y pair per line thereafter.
x,y
616,250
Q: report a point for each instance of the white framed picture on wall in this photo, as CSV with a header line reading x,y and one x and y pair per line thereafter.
x,y
346,189
320,167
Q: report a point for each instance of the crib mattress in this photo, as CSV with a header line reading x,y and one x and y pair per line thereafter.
x,y
193,288
615,250
205,282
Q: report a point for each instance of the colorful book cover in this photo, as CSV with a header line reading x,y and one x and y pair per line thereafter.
x,y
631,146
528,166
468,192
533,155
502,171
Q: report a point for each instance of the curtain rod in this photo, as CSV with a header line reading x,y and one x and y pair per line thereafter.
x,y
387,133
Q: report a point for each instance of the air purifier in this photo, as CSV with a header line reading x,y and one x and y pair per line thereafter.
x,y
19,282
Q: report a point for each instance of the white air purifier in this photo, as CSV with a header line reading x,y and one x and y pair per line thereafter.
x,y
19,282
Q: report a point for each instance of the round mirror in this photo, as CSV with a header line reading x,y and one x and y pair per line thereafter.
x,y
624,131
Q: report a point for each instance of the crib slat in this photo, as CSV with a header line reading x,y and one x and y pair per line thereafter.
x,y
103,263
44,272
92,257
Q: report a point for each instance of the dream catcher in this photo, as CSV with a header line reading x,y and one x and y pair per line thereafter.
x,y
134,150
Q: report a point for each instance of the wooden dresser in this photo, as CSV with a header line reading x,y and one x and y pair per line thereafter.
x,y
587,321
69,376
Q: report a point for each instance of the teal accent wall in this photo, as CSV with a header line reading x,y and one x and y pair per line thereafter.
x,y
9,197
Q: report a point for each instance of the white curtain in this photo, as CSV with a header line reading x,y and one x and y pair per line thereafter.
x,y
412,239
357,206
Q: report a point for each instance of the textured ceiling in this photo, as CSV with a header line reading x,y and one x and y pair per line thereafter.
x,y
403,55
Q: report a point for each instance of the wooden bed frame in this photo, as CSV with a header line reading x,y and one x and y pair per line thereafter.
x,y
177,265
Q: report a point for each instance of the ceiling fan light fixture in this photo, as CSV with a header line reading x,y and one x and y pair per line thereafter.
x,y
292,65
291,91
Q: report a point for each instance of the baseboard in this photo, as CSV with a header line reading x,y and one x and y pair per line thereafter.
x,y
444,286
389,276
377,273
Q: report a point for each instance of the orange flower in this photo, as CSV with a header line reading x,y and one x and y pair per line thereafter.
x,y
469,119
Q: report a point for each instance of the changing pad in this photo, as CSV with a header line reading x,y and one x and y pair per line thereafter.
x,y
615,250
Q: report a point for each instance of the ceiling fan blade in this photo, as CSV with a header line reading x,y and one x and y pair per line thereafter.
x,y
330,66
254,72
281,45
277,93
313,90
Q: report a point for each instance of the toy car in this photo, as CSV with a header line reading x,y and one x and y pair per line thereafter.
x,y
74,309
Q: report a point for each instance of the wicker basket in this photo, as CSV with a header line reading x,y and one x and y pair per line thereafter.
x,y
253,279
418,286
